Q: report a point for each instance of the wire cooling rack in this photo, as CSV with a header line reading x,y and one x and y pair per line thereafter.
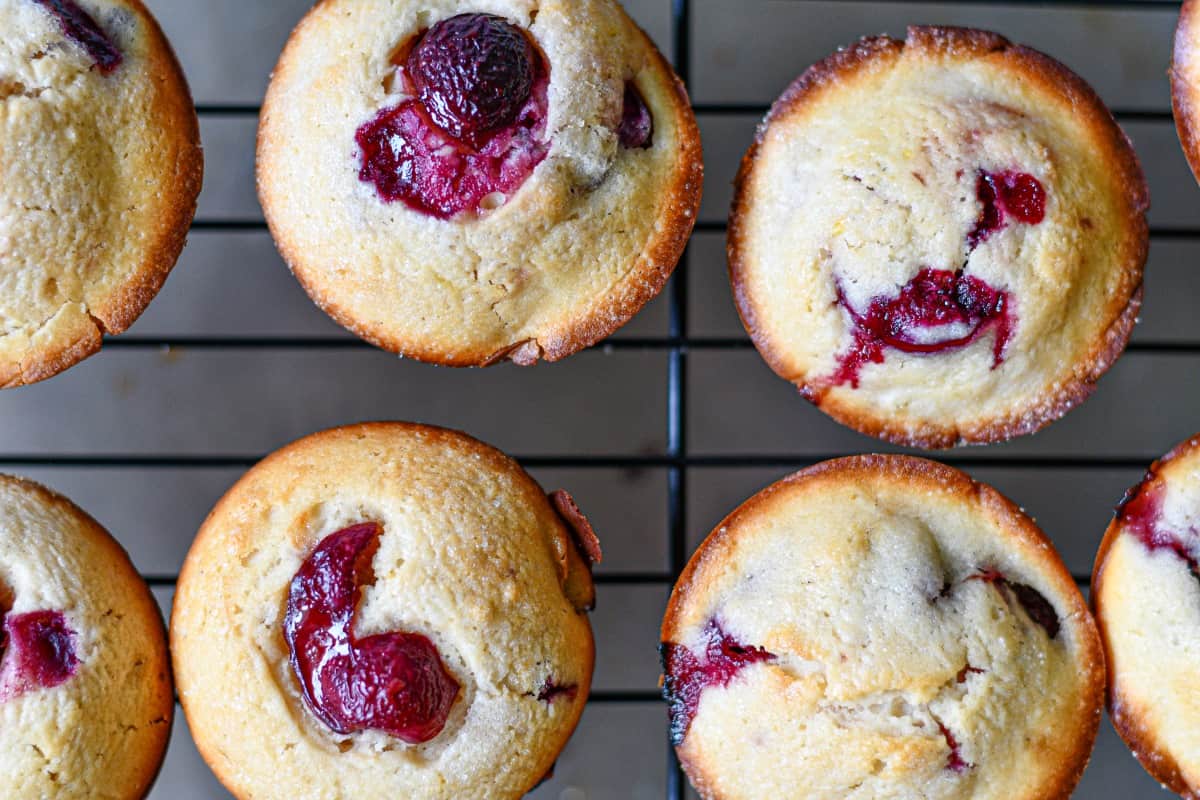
x,y
730,426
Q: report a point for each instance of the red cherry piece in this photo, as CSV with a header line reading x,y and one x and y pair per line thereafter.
x,y
1141,513
39,653
1033,602
937,310
79,26
1006,194
636,130
445,164
391,682
473,72
688,674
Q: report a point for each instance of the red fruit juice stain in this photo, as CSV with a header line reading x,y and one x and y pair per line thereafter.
x,y
688,673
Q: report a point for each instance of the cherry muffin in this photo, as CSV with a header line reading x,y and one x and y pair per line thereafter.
x,y
1185,82
386,610
100,168
85,683
959,264
473,187
1146,591
881,626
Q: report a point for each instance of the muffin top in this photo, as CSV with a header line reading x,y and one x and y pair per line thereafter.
x,y
940,240
881,626
464,185
385,610
85,685
1147,601
100,168
1185,82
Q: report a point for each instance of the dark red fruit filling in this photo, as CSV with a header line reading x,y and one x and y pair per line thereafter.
x,y
79,26
476,128
937,310
39,652
473,72
637,125
963,306
1141,514
552,690
955,762
391,682
687,674
1003,195
1035,604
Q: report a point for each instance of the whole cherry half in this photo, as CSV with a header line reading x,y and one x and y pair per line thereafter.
x,y
392,682
473,72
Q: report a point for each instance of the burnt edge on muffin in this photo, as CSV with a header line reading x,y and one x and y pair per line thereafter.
x,y
1138,737
1006,514
1053,77
575,581
123,307
647,275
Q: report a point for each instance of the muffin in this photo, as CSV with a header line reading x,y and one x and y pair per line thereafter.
x,y
385,610
880,626
85,684
1147,602
464,188
1185,82
100,168
941,240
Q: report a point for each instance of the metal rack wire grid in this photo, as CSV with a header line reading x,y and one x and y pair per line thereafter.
x,y
232,360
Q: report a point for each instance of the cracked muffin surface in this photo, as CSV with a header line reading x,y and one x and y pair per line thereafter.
x,y
959,264
100,169
1146,593
85,683
385,610
881,626
523,230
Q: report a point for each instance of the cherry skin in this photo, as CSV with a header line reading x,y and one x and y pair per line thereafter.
x,y
391,682
688,674
636,130
474,73
79,26
39,653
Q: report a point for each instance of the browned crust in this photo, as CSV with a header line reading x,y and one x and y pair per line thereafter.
x,y
1053,78
120,562
917,473
652,267
582,532
1183,96
488,455
120,309
1150,751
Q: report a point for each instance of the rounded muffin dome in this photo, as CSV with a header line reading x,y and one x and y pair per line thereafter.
x,y
385,610
940,240
1147,600
880,626
85,682
464,184
100,168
